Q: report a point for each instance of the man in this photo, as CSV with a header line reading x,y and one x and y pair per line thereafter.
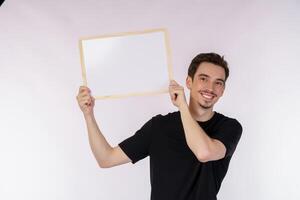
x,y
190,149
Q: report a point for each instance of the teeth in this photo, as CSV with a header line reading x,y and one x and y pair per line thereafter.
x,y
207,96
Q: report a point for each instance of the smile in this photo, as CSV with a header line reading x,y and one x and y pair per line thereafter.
x,y
207,95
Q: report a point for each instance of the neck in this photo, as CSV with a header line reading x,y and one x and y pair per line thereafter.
x,y
199,113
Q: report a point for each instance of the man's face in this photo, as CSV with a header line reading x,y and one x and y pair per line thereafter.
x,y
208,84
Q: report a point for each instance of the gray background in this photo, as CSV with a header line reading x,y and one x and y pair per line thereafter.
x,y
44,151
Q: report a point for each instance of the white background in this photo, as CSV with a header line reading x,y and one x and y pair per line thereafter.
x,y
44,151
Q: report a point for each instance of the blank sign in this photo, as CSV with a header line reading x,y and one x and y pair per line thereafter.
x,y
126,64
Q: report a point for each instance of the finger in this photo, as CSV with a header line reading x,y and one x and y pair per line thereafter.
x,y
81,97
176,90
84,101
87,103
173,94
84,88
83,104
173,82
175,85
84,91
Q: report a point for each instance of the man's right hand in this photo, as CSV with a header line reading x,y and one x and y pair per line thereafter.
x,y
85,100
105,155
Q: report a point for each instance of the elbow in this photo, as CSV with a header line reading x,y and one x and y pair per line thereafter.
x,y
203,156
104,164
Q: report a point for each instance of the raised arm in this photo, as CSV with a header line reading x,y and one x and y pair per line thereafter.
x,y
105,155
204,148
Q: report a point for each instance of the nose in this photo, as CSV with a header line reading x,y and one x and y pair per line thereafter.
x,y
210,86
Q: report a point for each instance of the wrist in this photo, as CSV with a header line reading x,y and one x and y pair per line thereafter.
x,y
183,106
89,116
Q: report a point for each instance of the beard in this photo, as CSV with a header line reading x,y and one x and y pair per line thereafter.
x,y
204,106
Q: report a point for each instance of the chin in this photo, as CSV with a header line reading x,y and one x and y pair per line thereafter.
x,y
205,106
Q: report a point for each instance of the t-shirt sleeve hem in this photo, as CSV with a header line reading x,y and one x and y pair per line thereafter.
x,y
230,141
127,152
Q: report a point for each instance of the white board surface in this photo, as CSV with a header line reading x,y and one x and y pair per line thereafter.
x,y
126,64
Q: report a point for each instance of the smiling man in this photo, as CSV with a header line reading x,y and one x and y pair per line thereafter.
x,y
189,149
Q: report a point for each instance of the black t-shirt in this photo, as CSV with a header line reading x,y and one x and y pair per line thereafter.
x,y
175,172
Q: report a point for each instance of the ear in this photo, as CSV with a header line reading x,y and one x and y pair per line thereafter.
x,y
189,82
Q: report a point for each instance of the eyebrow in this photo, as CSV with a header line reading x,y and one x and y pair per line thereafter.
x,y
219,79
203,75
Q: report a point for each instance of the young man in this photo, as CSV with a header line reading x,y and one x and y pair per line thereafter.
x,y
190,149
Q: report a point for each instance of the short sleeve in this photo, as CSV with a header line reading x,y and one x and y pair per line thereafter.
x,y
137,146
229,133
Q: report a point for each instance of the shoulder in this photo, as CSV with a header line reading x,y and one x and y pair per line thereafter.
x,y
162,119
169,116
225,121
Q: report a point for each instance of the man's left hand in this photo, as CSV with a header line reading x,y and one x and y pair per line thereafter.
x,y
177,94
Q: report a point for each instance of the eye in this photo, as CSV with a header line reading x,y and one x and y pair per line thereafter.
x,y
201,78
219,83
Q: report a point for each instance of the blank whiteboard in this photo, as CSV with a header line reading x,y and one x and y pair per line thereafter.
x,y
126,64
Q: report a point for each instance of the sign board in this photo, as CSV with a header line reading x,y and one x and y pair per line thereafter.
x,y
126,64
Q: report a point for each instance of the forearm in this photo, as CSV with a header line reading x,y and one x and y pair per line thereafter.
x,y
198,141
99,146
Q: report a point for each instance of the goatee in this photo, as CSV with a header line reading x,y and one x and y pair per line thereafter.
x,y
204,107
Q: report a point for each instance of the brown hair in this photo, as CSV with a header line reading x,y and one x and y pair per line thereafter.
x,y
208,57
